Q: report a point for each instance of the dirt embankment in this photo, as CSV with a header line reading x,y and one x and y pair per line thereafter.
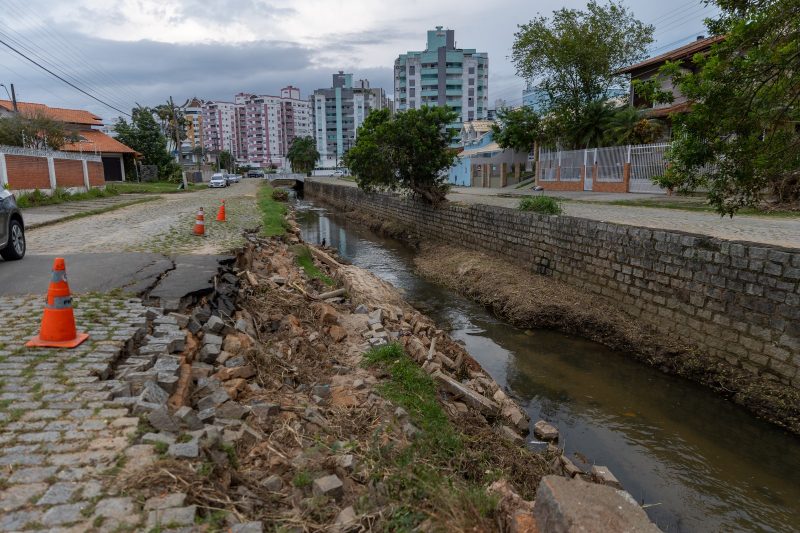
x,y
529,300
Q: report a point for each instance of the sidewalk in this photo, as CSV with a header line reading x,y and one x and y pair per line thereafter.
x,y
775,231
50,214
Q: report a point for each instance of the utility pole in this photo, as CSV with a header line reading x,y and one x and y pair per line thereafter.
x,y
14,99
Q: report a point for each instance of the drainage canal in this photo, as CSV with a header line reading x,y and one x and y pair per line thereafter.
x,y
697,462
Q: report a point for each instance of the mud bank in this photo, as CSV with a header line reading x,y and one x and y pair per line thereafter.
x,y
527,299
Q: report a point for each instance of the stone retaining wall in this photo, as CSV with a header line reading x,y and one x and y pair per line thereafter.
x,y
736,301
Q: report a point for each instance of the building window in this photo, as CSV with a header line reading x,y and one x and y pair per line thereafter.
x,y
411,83
471,92
412,92
412,70
472,70
472,81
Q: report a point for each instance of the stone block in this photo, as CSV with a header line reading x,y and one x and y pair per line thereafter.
x,y
564,505
210,338
162,420
188,450
216,398
247,527
273,483
214,324
174,516
181,320
209,353
231,410
152,393
544,431
330,486
467,395
189,418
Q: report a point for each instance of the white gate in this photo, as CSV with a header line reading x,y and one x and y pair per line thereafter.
x,y
588,164
647,161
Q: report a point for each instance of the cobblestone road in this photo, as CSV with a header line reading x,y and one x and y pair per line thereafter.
x,y
163,226
61,434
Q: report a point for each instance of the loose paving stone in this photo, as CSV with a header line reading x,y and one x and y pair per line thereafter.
x,y
188,450
249,527
175,516
175,499
330,486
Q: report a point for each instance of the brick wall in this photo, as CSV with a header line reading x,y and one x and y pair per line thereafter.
x,y
69,173
736,301
28,169
27,172
96,175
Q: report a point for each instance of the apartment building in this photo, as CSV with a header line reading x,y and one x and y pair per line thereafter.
x,y
443,75
339,111
218,125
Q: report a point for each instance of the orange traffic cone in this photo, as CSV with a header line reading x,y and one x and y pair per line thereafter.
x,y
58,322
221,212
200,223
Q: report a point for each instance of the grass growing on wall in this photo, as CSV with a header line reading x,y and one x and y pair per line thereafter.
x,y
306,262
546,205
272,213
59,196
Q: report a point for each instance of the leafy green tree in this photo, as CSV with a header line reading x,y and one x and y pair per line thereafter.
x,y
35,130
741,137
225,161
590,128
627,126
408,151
576,56
144,135
303,154
518,129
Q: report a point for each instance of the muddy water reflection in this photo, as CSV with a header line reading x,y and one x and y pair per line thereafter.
x,y
700,463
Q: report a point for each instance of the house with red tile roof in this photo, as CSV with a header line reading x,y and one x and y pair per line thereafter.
x,y
648,69
90,140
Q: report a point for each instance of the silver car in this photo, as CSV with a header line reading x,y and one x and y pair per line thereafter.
x,y
218,180
12,228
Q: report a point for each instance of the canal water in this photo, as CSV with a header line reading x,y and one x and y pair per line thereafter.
x,y
696,462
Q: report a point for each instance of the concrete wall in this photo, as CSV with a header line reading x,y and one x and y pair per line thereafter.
x,y
736,301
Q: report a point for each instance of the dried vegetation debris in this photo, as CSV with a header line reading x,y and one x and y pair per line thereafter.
x,y
278,417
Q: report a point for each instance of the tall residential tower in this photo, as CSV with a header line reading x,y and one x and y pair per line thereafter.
x,y
443,75
338,113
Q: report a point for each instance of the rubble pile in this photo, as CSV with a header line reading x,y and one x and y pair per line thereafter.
x,y
262,412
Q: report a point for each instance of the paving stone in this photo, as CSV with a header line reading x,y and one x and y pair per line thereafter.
x,y
152,393
273,483
163,421
17,496
121,509
214,324
32,475
213,400
61,492
152,438
188,450
231,410
179,516
330,486
22,459
19,520
249,527
189,418
175,499
64,514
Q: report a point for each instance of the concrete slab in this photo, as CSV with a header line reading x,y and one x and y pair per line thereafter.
x,y
102,272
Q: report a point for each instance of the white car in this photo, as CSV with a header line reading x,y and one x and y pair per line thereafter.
x,y
234,178
218,180
338,173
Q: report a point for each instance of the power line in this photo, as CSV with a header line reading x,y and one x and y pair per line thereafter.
x,y
44,60
93,97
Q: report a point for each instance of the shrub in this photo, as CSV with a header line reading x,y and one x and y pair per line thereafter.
x,y
546,205
280,195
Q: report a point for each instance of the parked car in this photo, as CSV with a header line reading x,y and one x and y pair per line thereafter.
x,y
234,178
338,173
218,180
12,228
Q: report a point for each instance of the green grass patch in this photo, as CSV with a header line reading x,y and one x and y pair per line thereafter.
x,y
306,262
426,479
302,479
273,212
59,196
155,187
545,205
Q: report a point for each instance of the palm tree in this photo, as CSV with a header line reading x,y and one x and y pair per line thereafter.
x,y
629,127
303,154
590,129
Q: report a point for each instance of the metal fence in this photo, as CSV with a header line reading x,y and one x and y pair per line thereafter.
x,y
646,162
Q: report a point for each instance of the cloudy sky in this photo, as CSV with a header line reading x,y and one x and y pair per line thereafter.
x,y
142,51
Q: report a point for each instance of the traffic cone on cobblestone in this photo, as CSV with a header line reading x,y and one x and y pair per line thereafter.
x,y
221,212
58,322
200,223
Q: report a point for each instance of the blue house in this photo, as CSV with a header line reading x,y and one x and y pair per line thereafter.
x,y
483,163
